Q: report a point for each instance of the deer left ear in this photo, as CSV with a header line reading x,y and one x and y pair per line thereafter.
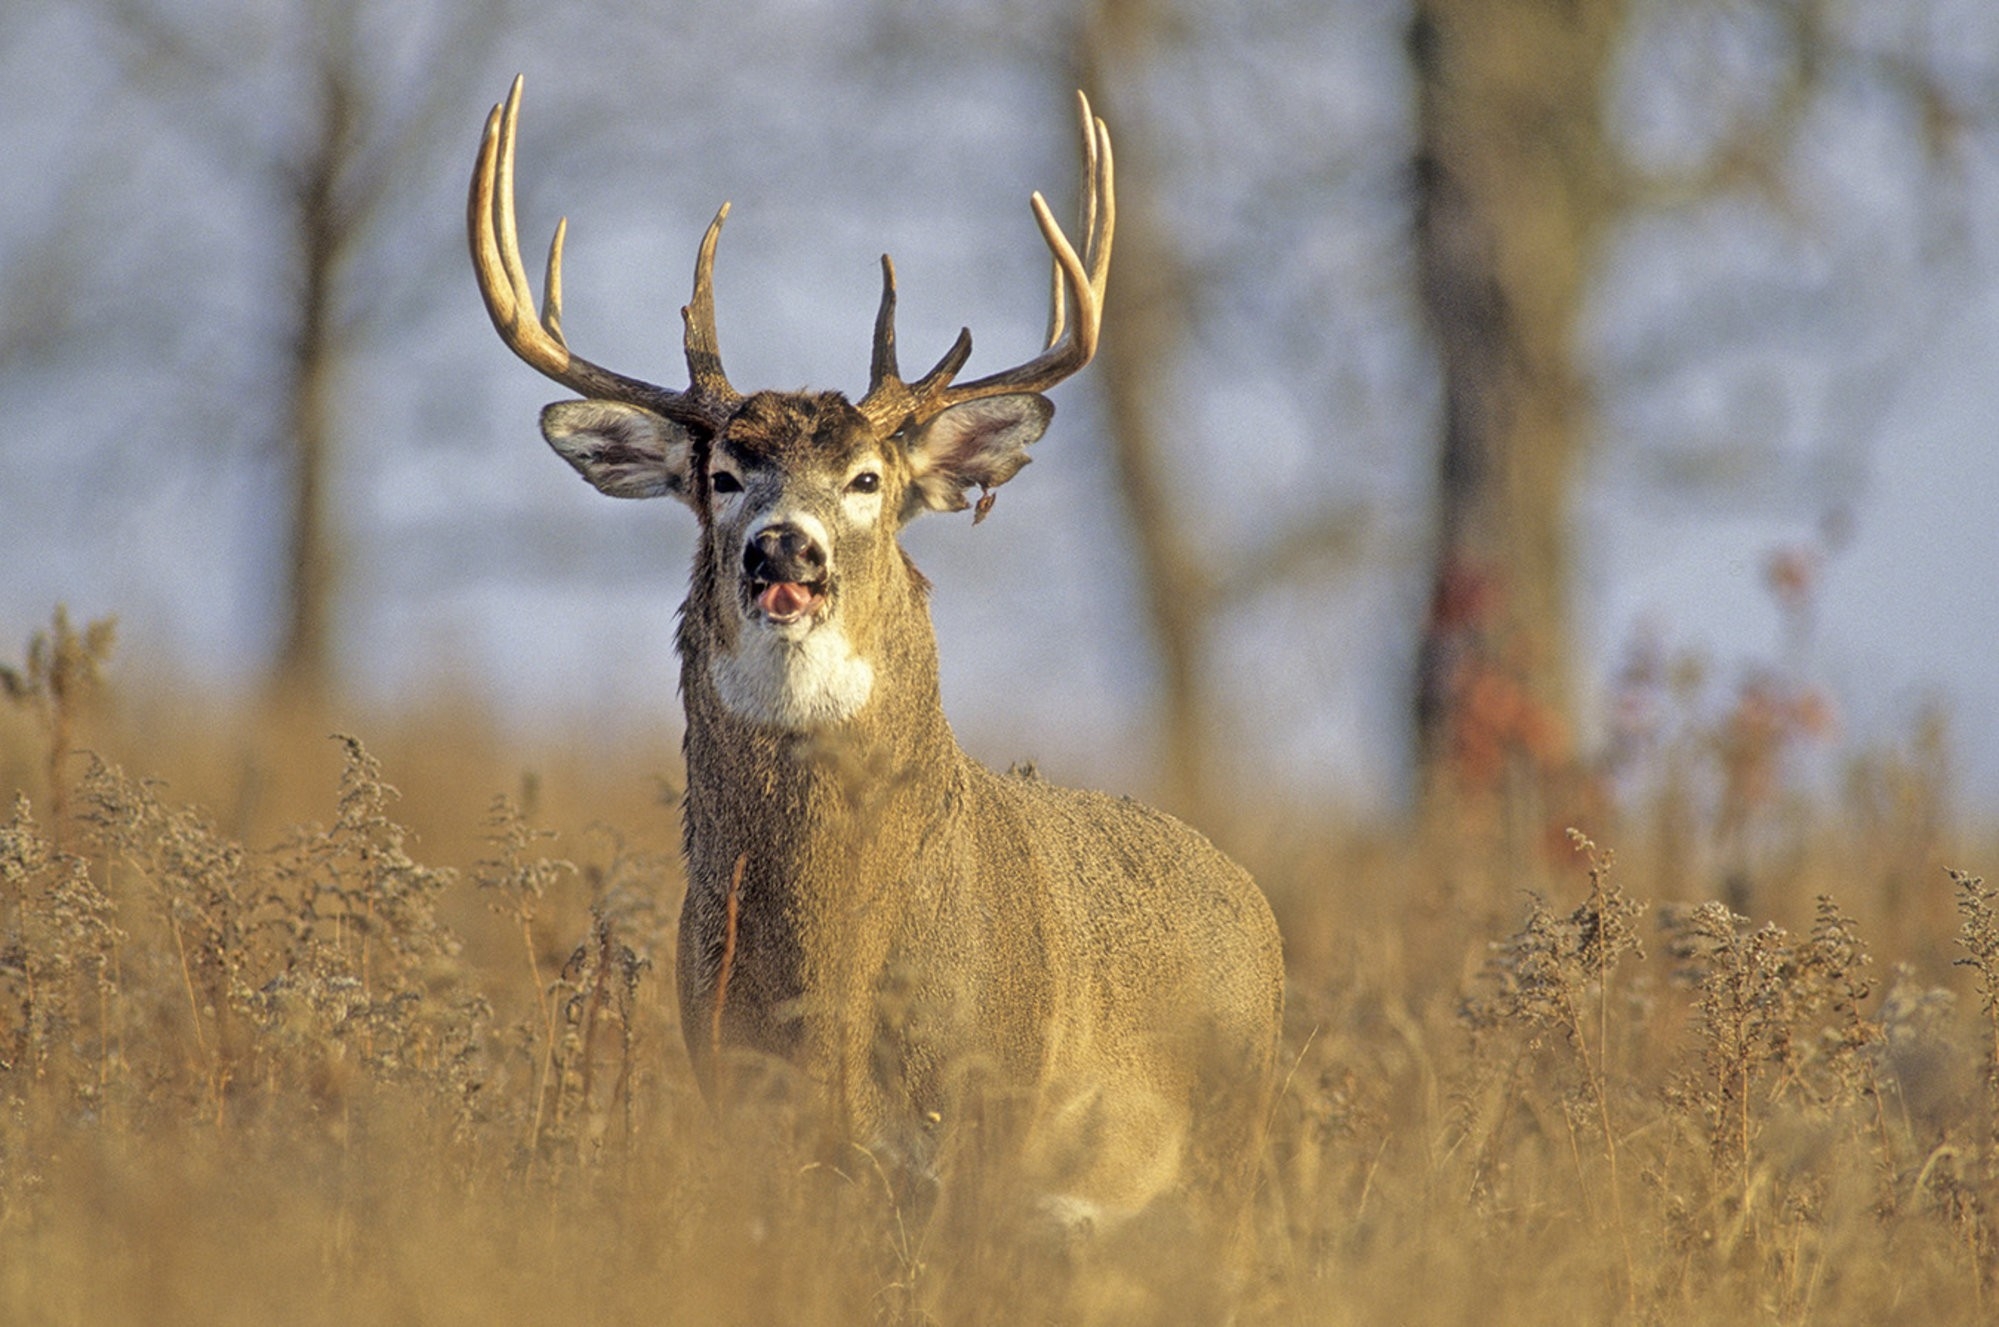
x,y
982,442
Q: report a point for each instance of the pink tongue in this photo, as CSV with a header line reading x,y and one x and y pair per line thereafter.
x,y
784,599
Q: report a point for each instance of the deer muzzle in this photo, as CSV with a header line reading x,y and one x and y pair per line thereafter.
x,y
785,572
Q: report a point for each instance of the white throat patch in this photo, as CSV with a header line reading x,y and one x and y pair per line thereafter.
x,y
808,682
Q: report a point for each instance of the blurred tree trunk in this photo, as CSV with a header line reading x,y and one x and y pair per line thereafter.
x,y
1136,366
303,668
1512,176
354,128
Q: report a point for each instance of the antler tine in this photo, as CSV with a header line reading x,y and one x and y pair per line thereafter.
x,y
488,255
704,355
881,364
509,298
1057,309
551,286
509,231
1096,143
946,368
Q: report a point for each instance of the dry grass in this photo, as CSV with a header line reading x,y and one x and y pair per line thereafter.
x,y
290,1061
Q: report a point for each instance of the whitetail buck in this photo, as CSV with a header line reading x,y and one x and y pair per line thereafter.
x,y
914,935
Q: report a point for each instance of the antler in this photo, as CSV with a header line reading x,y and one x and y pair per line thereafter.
x,y
503,281
1070,346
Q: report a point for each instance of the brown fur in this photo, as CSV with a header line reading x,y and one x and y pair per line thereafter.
x,y
951,964
920,938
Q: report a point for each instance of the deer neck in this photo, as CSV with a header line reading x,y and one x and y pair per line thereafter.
x,y
804,847
819,807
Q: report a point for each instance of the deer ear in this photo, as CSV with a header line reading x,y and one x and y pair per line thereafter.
x,y
981,442
621,449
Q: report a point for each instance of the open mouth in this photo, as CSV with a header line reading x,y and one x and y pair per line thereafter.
x,y
785,602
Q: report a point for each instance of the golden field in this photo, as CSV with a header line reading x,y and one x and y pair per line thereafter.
x,y
280,1044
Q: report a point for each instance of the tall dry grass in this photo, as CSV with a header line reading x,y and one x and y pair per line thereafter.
x,y
276,1045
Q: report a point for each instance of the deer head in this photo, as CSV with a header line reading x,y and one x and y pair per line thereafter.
x,y
800,495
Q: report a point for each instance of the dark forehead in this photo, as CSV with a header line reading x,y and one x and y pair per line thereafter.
x,y
796,426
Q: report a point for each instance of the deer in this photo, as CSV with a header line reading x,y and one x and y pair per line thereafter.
x,y
909,934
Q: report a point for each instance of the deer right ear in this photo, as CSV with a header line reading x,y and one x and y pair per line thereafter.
x,y
622,450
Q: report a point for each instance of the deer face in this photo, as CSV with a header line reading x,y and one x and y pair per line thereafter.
x,y
794,514
800,497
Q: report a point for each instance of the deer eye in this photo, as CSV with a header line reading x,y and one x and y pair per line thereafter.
x,y
724,482
865,482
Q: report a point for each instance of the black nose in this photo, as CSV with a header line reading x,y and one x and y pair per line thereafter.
x,y
784,553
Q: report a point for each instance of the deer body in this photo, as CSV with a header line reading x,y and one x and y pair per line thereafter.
x,y
911,926
922,942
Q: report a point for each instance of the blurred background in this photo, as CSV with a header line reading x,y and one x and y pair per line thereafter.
x,y
1492,391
